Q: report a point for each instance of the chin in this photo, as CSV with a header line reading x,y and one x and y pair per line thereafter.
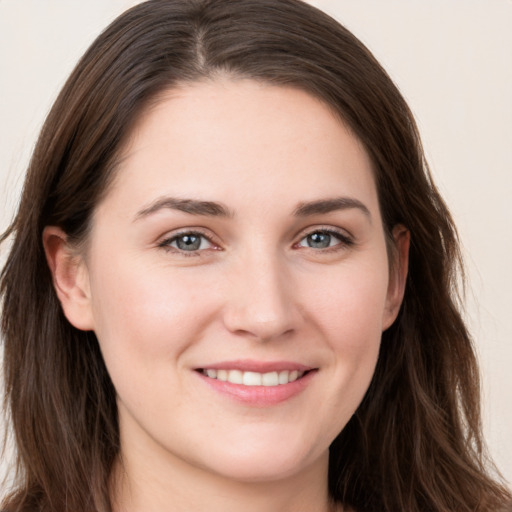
x,y
255,462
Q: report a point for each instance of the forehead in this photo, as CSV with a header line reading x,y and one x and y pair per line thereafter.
x,y
226,138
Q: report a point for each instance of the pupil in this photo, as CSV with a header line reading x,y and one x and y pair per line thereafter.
x,y
188,242
319,240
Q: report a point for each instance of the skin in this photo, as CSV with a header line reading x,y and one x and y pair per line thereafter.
x,y
255,289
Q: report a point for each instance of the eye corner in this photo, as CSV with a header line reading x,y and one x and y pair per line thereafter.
x,y
320,239
189,242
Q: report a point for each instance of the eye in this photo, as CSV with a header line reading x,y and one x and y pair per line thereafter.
x,y
324,239
188,242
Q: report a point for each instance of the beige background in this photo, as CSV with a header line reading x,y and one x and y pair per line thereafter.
x,y
452,59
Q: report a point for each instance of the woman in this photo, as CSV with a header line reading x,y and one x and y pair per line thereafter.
x,y
232,281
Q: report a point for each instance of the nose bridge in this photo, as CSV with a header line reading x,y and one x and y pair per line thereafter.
x,y
260,302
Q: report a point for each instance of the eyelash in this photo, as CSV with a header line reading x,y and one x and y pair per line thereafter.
x,y
345,241
166,244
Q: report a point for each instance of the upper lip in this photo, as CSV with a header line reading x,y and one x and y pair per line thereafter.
x,y
247,365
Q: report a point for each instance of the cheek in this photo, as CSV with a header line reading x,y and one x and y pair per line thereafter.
x,y
145,313
349,315
352,303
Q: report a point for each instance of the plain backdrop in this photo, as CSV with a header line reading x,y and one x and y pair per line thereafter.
x,y
452,60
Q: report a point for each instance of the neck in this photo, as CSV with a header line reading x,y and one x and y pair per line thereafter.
x,y
177,487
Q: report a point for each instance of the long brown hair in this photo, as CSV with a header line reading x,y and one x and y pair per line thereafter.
x,y
415,442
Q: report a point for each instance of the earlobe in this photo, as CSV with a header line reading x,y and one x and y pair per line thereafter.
x,y
70,278
398,275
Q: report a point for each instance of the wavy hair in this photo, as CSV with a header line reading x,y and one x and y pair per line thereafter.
x,y
415,442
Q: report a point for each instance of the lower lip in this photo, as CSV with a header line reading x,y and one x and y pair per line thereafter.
x,y
259,396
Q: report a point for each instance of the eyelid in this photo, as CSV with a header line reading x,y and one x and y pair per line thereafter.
x,y
165,241
346,238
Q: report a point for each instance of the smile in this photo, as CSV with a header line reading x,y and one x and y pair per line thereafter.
x,y
249,378
257,384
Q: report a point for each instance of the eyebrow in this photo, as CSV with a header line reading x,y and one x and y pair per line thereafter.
x,y
323,206
215,209
191,206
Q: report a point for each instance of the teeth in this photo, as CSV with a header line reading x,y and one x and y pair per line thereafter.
x,y
270,379
249,378
254,378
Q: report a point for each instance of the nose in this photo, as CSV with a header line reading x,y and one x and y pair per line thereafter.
x,y
260,299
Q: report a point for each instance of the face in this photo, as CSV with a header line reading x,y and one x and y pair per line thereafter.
x,y
237,279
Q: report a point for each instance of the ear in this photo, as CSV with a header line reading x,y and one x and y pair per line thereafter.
x,y
397,274
70,278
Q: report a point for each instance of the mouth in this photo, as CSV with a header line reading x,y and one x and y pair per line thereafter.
x,y
252,378
257,383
